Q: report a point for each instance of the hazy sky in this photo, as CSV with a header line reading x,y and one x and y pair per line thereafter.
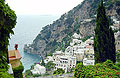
x,y
42,7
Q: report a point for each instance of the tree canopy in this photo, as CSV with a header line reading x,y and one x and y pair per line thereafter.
x,y
7,23
104,41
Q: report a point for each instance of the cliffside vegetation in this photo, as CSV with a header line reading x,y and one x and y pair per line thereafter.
x,y
7,23
81,20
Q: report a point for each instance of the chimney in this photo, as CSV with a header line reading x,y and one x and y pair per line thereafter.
x,y
16,46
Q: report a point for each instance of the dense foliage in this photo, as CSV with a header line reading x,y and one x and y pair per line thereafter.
x,y
118,56
42,63
5,75
59,71
28,73
18,71
7,23
50,65
100,70
104,41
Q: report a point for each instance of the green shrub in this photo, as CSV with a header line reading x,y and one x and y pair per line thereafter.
x,y
118,64
18,71
49,65
118,56
50,54
5,75
79,70
28,73
3,64
100,70
36,75
108,63
42,64
58,71
46,74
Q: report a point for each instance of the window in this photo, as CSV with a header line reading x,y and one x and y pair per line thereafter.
x,y
91,57
70,61
73,61
64,65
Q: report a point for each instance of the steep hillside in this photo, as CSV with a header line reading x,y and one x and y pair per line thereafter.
x,y
81,19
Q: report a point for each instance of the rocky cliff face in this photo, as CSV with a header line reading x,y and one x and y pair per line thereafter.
x,y
81,19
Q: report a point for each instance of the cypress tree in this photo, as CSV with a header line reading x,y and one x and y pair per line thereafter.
x,y
104,41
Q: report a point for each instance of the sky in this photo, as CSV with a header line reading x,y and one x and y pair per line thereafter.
x,y
42,7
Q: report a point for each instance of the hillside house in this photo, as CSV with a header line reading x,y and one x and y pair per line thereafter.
x,y
87,61
38,69
47,59
117,37
14,57
76,36
65,62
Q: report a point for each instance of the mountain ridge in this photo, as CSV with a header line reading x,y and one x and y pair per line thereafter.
x,y
81,20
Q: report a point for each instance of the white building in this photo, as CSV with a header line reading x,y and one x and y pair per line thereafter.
x,y
69,51
115,20
89,41
76,36
80,50
38,69
77,51
75,42
47,59
117,37
79,54
65,62
114,28
57,55
87,61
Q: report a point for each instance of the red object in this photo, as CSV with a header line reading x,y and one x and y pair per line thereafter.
x,y
16,46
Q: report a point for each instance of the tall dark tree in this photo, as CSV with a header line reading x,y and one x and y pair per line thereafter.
x,y
7,23
104,41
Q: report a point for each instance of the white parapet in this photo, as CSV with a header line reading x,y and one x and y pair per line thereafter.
x,y
10,71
